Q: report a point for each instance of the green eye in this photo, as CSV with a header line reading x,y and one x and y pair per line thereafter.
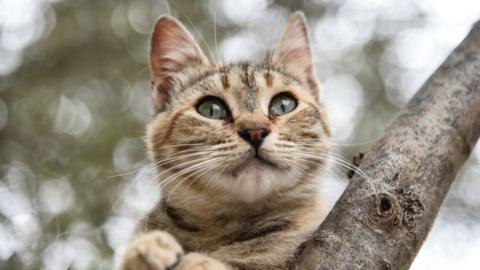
x,y
281,104
213,108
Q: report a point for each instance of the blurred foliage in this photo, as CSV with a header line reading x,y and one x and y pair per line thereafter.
x,y
74,99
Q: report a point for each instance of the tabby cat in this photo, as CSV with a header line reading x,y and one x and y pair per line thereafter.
x,y
238,149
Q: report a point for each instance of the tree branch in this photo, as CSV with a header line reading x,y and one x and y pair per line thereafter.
x,y
381,223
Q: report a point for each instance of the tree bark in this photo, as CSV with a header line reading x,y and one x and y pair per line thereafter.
x,y
381,222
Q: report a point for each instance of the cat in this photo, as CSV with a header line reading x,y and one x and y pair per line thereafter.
x,y
238,149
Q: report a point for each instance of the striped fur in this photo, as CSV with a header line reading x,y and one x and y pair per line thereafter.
x,y
223,211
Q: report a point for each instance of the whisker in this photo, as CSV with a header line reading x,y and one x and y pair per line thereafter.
x,y
210,52
180,144
323,165
129,172
339,161
169,179
333,143
215,30
202,171
210,180
184,164
370,181
194,151
173,158
158,162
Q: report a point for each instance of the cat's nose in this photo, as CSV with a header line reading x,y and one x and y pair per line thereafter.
x,y
254,136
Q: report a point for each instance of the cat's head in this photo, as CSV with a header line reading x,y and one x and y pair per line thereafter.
x,y
244,131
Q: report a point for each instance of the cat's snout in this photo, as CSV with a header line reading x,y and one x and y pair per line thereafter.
x,y
254,136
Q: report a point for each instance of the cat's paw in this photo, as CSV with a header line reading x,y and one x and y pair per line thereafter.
x,y
197,261
152,251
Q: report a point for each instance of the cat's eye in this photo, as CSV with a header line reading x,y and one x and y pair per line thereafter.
x,y
281,104
213,108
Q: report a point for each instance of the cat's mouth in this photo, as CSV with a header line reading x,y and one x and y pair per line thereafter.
x,y
256,162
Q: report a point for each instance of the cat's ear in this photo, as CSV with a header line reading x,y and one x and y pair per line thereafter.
x,y
293,53
173,49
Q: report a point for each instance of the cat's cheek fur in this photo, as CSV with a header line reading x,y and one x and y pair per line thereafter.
x,y
155,134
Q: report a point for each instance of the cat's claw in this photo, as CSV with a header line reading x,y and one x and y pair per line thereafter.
x,y
197,261
153,251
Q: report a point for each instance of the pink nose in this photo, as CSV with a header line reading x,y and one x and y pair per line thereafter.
x,y
254,136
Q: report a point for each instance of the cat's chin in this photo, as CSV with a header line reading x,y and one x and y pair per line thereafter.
x,y
254,166
252,180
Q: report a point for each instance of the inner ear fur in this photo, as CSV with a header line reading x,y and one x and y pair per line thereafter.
x,y
293,53
173,49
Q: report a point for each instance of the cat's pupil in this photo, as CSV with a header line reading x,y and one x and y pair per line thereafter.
x,y
212,108
282,104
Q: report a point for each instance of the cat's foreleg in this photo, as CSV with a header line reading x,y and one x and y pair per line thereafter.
x,y
158,250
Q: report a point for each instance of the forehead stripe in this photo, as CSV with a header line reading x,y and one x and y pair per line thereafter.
x,y
250,99
225,80
268,78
